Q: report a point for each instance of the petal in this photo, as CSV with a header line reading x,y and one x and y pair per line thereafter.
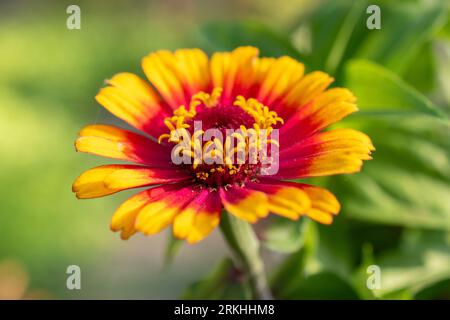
x,y
303,92
193,68
159,69
338,139
320,216
125,216
233,71
177,75
246,204
109,179
131,99
116,143
282,74
323,204
199,217
161,211
261,68
327,153
328,108
285,200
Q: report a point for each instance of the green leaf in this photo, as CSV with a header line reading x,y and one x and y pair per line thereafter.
x,y
359,278
334,33
344,35
332,255
320,253
417,267
224,282
284,235
380,91
408,179
405,27
422,260
219,36
442,52
339,33
245,246
399,197
323,285
438,290
293,268
423,76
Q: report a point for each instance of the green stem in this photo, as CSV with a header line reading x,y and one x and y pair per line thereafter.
x,y
243,242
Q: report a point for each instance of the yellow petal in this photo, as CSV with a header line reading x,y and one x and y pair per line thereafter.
x,y
131,99
233,71
248,205
289,202
112,142
320,216
199,217
160,212
90,184
174,74
310,86
281,76
324,204
125,216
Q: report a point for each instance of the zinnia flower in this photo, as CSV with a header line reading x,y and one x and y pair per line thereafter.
x,y
232,90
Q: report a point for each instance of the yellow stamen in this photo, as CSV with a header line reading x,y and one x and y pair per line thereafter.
x,y
261,113
163,136
248,140
209,100
202,175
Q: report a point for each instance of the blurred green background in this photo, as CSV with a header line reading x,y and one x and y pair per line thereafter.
x,y
396,213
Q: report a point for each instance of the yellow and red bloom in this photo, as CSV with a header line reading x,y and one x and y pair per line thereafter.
x,y
236,90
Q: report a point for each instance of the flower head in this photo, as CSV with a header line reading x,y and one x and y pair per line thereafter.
x,y
226,132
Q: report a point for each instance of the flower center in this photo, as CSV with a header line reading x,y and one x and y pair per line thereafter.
x,y
221,144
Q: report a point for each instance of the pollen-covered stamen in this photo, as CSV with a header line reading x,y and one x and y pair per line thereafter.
x,y
181,116
224,158
209,100
264,118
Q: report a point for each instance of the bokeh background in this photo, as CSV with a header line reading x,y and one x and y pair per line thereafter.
x,y
396,213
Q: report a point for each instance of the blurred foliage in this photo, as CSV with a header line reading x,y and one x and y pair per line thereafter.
x,y
283,235
49,77
379,90
396,212
224,282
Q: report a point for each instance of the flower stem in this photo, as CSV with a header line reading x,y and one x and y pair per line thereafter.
x,y
243,242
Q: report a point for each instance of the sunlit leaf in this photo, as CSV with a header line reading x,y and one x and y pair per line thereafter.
x,y
380,91
442,52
